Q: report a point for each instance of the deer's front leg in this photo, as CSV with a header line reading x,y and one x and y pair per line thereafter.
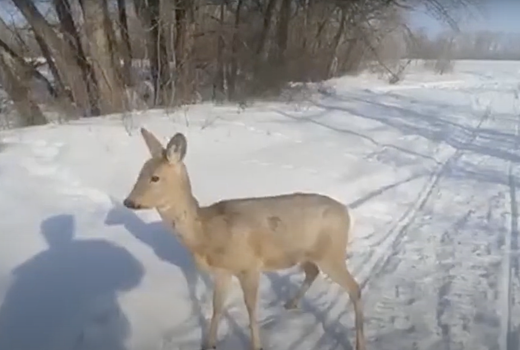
x,y
222,282
249,282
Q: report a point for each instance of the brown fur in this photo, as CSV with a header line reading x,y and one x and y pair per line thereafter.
x,y
244,237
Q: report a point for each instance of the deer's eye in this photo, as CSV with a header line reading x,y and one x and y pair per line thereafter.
x,y
155,178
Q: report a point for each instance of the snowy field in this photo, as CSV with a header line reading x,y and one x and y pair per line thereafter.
x,y
430,168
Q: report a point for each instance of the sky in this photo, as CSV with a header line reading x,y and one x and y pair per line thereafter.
x,y
496,16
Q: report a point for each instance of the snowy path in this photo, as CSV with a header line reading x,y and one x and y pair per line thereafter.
x,y
432,179
448,283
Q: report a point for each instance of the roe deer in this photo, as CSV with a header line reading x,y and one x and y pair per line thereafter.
x,y
244,237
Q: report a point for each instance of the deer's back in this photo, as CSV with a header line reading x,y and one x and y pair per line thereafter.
x,y
278,231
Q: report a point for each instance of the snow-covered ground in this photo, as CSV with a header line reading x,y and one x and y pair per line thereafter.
x,y
430,168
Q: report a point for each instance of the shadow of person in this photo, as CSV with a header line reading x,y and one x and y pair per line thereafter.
x,y
65,297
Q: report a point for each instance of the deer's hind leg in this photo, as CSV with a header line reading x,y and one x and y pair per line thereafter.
x,y
337,270
311,272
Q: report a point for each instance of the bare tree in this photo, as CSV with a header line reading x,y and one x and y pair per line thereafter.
x,y
218,88
185,84
235,42
126,48
106,71
11,74
149,12
267,22
61,53
28,68
71,36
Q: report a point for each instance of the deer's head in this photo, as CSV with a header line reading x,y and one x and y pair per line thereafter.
x,y
163,180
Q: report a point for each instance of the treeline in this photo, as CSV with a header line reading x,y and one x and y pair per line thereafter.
x,y
106,56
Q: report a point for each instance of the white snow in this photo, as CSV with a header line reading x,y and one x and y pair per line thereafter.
x,y
430,168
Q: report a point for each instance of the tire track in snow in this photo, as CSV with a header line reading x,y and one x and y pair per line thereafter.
x,y
464,278
441,285
461,274
507,337
388,246
510,259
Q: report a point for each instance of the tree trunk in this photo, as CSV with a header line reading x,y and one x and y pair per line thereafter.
x,y
218,85
113,48
283,30
335,44
71,36
307,8
61,89
29,68
161,74
150,16
268,16
111,91
185,85
64,57
233,70
18,91
126,48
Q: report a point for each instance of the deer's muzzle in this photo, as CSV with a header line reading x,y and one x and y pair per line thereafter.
x,y
131,204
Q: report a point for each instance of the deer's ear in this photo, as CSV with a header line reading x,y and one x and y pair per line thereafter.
x,y
176,148
154,145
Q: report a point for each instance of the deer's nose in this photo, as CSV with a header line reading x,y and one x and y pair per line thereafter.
x,y
130,204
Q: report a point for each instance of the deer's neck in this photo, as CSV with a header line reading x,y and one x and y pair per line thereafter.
x,y
184,217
